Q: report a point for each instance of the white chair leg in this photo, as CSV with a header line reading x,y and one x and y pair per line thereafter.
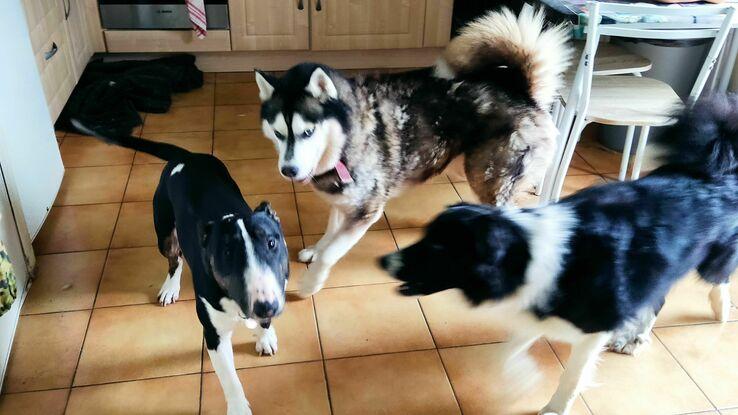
x,y
571,144
556,109
566,117
560,115
626,153
640,151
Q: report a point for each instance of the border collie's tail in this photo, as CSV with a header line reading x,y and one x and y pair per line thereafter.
x,y
163,151
705,137
514,51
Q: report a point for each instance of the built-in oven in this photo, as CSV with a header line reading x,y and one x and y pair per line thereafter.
x,y
158,14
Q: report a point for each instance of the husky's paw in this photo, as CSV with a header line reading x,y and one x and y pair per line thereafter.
x,y
629,345
267,343
169,292
306,255
312,281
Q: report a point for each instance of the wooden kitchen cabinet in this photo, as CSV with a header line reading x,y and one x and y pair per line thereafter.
x,y
51,48
79,35
367,24
269,25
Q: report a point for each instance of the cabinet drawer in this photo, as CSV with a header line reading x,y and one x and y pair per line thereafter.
x,y
166,41
366,24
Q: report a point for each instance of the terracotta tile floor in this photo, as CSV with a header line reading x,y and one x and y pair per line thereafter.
x,y
92,339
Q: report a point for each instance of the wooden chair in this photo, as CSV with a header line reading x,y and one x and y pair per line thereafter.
x,y
629,100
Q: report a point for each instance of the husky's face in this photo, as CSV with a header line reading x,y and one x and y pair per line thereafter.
x,y
304,118
248,258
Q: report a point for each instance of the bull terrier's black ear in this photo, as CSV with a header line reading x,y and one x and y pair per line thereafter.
x,y
205,230
265,82
267,208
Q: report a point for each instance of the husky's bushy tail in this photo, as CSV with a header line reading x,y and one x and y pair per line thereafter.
x,y
516,52
705,137
164,151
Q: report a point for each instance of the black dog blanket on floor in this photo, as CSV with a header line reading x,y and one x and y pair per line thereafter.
x,y
110,95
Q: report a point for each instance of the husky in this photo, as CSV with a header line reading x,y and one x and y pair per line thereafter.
x,y
361,141
597,262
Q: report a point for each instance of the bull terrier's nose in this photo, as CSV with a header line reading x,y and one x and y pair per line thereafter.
x,y
264,309
289,171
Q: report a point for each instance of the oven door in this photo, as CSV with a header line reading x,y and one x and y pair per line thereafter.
x,y
158,14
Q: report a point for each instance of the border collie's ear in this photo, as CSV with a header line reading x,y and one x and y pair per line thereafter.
x,y
321,86
205,231
266,207
265,82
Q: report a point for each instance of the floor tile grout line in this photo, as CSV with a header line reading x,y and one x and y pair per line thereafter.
x,y
204,372
188,300
89,320
201,372
689,375
315,309
97,291
115,382
448,379
422,349
322,354
435,348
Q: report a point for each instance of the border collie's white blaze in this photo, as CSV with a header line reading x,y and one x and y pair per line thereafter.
x,y
548,231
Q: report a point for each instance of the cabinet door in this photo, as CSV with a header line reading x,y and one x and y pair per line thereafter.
x,y
269,25
50,42
77,27
367,24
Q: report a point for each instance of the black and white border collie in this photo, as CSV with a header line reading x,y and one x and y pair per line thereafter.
x,y
596,262
238,257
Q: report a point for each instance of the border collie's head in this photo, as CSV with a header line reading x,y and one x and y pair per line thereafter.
x,y
248,258
473,248
303,115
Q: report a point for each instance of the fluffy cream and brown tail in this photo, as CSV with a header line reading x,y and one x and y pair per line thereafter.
x,y
502,45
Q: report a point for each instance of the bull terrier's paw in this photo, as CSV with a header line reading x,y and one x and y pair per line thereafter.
x,y
267,343
169,292
311,282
